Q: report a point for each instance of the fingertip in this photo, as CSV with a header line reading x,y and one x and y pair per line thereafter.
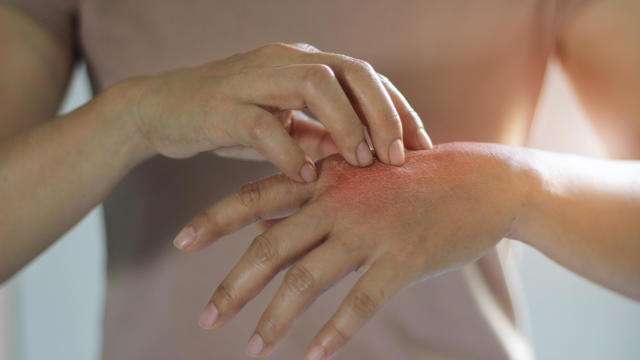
x,y
396,153
185,238
255,345
363,154
257,348
209,317
308,172
424,140
317,352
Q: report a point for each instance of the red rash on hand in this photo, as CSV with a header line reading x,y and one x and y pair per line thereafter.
x,y
379,183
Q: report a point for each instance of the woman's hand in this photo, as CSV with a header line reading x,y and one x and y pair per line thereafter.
x,y
308,133
246,100
395,225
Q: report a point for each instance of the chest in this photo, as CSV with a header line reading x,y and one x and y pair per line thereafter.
x,y
123,37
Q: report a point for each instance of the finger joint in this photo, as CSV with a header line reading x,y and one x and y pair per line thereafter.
x,y
263,250
227,298
361,68
299,280
340,334
249,194
318,75
363,303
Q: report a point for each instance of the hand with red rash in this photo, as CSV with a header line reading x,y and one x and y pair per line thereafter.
x,y
395,225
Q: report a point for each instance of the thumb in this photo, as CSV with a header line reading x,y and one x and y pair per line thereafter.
x,y
309,134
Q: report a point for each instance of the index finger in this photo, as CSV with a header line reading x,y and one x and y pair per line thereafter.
x,y
366,297
271,197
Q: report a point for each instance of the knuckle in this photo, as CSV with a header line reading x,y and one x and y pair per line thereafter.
x,y
283,181
361,67
318,74
259,130
306,47
205,218
249,194
384,78
272,47
340,334
408,112
363,303
227,298
263,250
299,280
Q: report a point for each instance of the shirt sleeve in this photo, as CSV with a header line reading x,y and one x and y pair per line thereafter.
x,y
58,17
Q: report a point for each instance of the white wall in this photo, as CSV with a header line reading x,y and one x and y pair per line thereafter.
x,y
58,297
6,345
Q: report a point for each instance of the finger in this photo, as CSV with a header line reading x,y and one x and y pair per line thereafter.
x,y
312,137
374,105
275,196
264,225
370,99
309,134
264,132
302,284
367,296
363,88
314,86
268,253
239,152
414,135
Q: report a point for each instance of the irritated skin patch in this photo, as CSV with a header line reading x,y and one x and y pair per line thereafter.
x,y
423,170
456,199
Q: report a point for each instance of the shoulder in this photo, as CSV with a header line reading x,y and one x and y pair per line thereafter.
x,y
55,16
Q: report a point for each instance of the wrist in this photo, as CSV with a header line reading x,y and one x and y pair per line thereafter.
x,y
118,107
532,181
507,179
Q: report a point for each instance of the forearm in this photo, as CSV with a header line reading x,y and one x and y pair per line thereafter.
x,y
584,213
53,174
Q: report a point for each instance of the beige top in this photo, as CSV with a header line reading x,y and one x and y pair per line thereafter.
x,y
472,69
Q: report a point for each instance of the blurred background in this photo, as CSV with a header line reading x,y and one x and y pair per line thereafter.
x,y
53,308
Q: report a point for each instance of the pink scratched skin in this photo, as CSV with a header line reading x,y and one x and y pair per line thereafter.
x,y
352,186
437,194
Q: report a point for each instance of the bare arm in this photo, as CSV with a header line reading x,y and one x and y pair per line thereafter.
x,y
585,216
583,213
51,172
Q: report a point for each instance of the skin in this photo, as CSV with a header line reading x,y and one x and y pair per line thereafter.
x,y
249,101
396,226
244,96
43,69
596,48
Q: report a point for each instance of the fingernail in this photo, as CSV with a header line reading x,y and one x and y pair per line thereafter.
x,y
209,317
256,344
424,139
308,173
316,353
364,154
185,238
396,152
